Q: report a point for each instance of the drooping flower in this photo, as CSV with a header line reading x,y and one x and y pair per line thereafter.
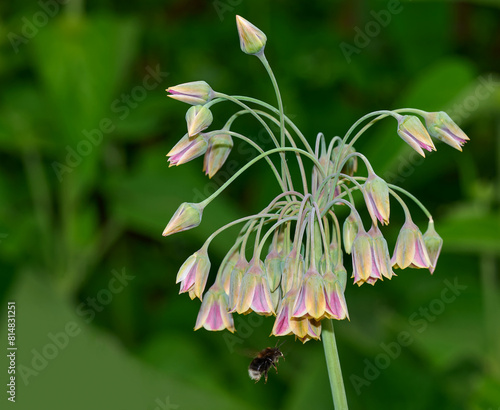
x,y
310,301
306,328
411,130
194,92
376,194
284,314
235,281
252,39
334,286
187,149
364,266
198,118
255,294
350,231
187,216
410,248
441,126
193,274
219,147
433,243
213,314
380,252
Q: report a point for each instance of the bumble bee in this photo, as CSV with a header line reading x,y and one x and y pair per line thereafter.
x,y
262,363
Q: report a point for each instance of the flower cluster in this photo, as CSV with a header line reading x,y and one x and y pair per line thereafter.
x,y
296,269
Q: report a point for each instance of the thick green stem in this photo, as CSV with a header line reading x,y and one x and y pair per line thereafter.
x,y
333,365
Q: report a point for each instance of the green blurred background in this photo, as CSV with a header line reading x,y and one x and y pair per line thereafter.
x,y
85,192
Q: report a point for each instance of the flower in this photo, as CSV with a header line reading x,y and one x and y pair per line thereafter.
x,y
255,294
193,274
235,281
293,268
252,40
433,243
219,147
334,286
410,248
380,252
187,216
198,118
376,194
349,231
364,265
274,268
285,309
411,130
310,300
306,328
187,149
441,126
194,93
227,269
213,314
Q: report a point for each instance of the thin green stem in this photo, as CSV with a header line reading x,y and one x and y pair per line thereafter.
x,y
333,365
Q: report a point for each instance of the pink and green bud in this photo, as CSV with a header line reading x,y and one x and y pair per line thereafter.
x,y
187,216
198,118
381,254
411,130
336,306
255,294
252,39
194,93
235,281
351,166
433,243
410,248
310,300
193,274
376,193
213,314
441,126
219,147
227,269
282,323
364,266
293,269
187,149
350,230
274,268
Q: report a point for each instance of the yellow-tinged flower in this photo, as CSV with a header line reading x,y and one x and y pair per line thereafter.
x,y
350,231
411,130
193,274
410,248
305,328
376,194
334,285
235,281
311,300
219,147
187,216
364,267
433,243
252,39
380,253
187,149
213,314
194,92
284,314
441,126
198,118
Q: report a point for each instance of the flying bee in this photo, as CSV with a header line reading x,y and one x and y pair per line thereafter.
x,y
262,363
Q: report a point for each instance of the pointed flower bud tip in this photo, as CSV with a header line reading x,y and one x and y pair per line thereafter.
x,y
376,193
193,274
433,244
411,130
350,231
187,216
441,126
219,147
187,149
252,40
194,93
198,118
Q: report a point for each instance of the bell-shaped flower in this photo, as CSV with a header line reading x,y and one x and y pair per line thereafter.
x,y
411,130
274,267
255,294
336,306
380,251
305,328
410,248
227,269
376,194
187,149
194,92
441,126
310,300
213,314
187,216
252,39
193,274
433,243
293,270
235,281
350,231
198,118
364,265
284,314
219,147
